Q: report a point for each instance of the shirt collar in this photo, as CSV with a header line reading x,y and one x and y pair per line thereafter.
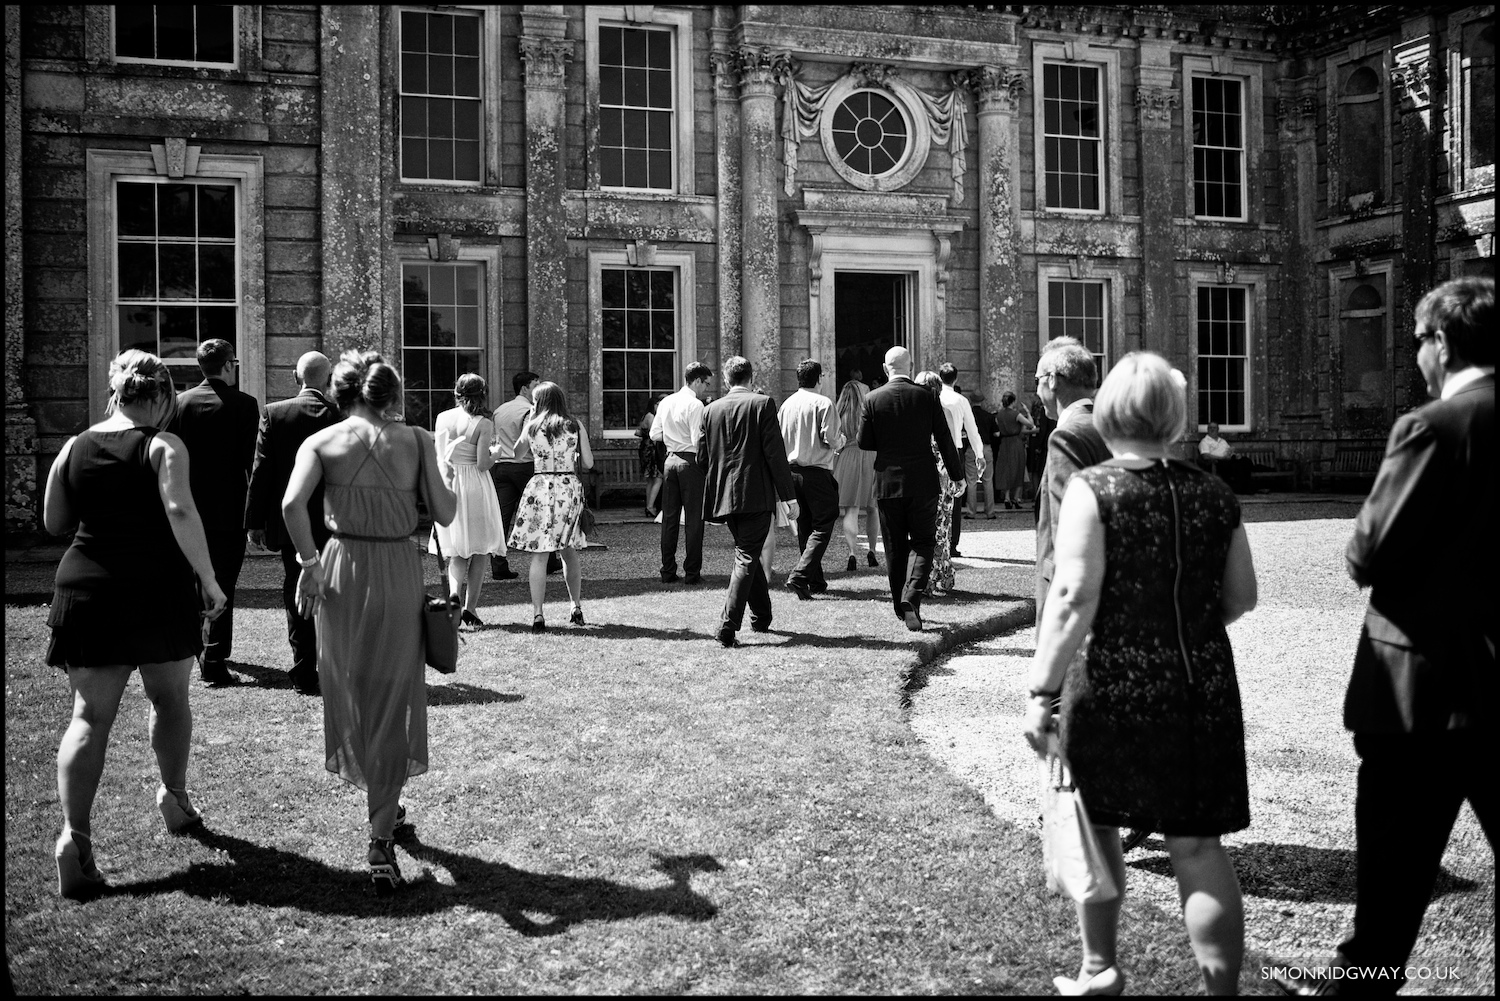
x,y
740,389
1464,377
1085,405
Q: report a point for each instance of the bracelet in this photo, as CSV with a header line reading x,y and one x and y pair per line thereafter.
x,y
1037,693
308,563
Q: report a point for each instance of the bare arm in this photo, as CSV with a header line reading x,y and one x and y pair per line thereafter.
x,y
58,516
307,473
1072,602
832,436
442,503
583,447
1025,420
486,437
1239,590
256,500
170,458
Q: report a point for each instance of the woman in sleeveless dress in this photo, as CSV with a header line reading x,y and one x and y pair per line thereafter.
x,y
462,439
365,589
1011,423
124,598
1151,557
942,579
854,471
547,518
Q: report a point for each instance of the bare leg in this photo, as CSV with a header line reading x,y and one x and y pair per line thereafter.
x,y
1211,908
458,574
1099,923
572,574
850,525
653,491
538,581
80,756
768,551
872,528
166,686
475,581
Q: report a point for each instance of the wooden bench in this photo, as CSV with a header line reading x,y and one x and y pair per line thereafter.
x,y
616,469
1351,464
1267,469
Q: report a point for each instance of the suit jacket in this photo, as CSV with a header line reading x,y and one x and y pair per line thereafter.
x,y
1073,445
899,422
742,455
283,428
1425,542
218,425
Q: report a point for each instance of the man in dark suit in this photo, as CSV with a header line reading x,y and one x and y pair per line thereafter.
x,y
900,420
1066,377
745,471
1421,698
218,423
283,428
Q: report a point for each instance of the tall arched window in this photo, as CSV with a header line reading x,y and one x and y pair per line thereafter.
x,y
1362,136
1363,338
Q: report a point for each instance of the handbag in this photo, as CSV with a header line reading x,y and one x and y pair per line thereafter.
x,y
440,618
1071,855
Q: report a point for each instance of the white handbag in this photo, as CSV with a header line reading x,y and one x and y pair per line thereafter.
x,y
1071,855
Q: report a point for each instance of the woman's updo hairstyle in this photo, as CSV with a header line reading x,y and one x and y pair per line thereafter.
x,y
365,375
470,391
1007,398
137,376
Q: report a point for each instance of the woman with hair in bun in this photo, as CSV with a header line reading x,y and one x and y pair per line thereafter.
x,y
365,589
462,437
547,518
125,599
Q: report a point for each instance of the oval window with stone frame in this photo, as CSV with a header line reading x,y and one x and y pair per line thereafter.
x,y
870,133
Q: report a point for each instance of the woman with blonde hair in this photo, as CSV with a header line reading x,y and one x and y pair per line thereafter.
x,y
547,518
854,471
1152,563
462,438
124,598
365,589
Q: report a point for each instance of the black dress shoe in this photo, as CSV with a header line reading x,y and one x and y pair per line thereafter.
x,y
306,686
1307,987
216,672
726,637
801,590
693,578
760,627
671,578
819,588
911,617
500,570
554,564
954,552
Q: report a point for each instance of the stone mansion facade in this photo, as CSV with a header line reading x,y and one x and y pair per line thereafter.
x,y
602,194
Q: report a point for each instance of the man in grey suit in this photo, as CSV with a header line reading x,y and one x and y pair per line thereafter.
x,y
1421,698
745,470
1066,378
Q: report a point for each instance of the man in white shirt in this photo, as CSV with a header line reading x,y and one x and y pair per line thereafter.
x,y
678,425
965,431
810,431
1217,456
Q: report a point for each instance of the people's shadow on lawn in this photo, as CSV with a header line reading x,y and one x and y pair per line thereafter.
x,y
534,904
1292,872
455,693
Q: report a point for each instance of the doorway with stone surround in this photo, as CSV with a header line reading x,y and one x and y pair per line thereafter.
x,y
871,315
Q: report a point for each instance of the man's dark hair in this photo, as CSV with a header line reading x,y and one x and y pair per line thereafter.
x,y
738,370
1071,362
213,355
948,372
1464,310
696,371
808,373
521,380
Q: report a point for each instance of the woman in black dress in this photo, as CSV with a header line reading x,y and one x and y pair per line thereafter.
x,y
125,598
1152,557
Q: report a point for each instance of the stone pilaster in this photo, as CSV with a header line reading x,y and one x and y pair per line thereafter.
x,y
546,54
1417,79
1002,357
725,64
1297,368
21,483
357,153
1155,101
760,273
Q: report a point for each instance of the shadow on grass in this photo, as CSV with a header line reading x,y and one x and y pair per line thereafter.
x,y
533,904
1293,872
455,693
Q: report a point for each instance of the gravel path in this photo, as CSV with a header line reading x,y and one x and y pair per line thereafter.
x,y
1296,861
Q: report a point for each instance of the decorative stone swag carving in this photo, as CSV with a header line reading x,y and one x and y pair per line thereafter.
x,y
1155,106
804,106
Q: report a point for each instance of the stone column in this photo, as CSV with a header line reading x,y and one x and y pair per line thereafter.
x,y
21,484
354,183
546,54
727,227
1155,100
760,272
1002,344
1417,79
1294,372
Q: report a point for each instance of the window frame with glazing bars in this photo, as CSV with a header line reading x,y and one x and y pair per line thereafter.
x,y
1048,136
233,62
485,98
1206,415
1203,151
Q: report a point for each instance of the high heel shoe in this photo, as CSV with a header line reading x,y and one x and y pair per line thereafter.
x,y
853,564
384,872
470,619
77,876
176,810
577,617
538,624
1107,982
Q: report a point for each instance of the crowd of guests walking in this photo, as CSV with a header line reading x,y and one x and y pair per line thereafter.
x,y
1140,554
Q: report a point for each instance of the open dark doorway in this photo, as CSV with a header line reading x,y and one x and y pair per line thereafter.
x,y
870,316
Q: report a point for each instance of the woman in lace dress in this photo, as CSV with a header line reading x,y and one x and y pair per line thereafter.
x,y
462,439
1151,557
941,581
547,518
365,589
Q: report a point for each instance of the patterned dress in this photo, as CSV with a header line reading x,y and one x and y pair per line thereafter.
x,y
1151,722
547,517
941,581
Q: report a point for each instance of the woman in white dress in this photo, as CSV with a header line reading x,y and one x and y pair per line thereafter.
x,y
462,439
